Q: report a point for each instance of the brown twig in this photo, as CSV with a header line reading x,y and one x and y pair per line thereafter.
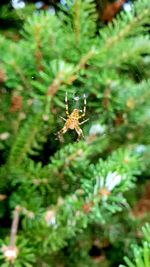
x,y
38,53
14,227
77,21
10,252
111,9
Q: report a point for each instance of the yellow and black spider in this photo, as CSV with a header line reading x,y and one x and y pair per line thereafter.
x,y
72,120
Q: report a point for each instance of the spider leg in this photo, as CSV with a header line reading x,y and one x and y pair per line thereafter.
x,y
84,108
80,123
62,131
66,103
79,132
62,118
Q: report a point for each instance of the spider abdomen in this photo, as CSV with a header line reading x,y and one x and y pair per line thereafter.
x,y
71,123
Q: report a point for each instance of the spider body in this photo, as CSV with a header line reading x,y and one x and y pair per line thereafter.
x,y
72,120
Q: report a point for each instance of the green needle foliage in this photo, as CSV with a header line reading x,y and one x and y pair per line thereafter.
x,y
69,194
141,254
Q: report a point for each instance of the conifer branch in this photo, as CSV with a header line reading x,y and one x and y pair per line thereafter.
x,y
24,141
77,20
22,76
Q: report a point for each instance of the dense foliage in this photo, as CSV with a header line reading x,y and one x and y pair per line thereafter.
x,y
72,199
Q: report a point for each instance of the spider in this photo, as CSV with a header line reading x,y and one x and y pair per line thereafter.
x,y
72,120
